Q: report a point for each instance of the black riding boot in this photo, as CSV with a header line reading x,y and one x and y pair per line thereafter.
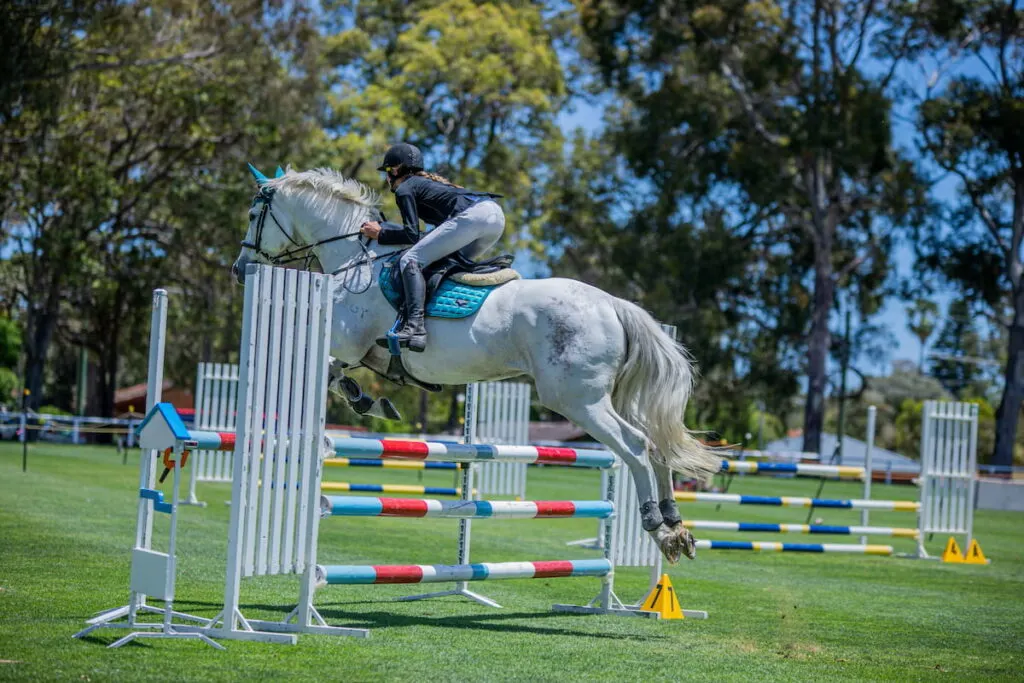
x,y
414,333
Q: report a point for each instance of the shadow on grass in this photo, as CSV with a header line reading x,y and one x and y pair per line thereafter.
x,y
338,614
475,622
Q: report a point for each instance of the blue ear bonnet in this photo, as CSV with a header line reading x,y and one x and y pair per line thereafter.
x,y
260,178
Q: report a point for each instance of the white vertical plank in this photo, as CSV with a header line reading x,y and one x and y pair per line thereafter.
x,y
302,322
258,416
281,481
270,422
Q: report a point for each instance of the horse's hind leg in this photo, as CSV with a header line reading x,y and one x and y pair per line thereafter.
x,y
669,509
600,420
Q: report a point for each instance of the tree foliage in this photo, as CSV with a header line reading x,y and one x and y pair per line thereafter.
x,y
971,125
476,85
156,100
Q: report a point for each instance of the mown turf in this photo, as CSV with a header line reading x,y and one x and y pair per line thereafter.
x,y
66,528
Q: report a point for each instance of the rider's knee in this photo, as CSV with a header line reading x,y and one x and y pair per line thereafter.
x,y
408,259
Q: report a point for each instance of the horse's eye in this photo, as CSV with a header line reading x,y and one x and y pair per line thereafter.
x,y
252,216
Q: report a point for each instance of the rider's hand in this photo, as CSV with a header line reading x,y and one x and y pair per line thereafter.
x,y
371,229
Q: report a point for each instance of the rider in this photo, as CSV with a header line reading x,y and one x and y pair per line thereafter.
x,y
465,221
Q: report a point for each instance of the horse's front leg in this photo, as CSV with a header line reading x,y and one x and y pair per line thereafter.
x,y
362,404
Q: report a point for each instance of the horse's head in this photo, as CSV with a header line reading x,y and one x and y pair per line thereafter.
x,y
295,219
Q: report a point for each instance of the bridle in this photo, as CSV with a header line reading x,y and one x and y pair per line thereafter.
x,y
300,252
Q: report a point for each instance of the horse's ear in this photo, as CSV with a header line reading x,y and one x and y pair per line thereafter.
x,y
279,172
260,178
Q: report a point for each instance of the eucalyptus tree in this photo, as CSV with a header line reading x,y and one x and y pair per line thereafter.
x,y
777,110
971,125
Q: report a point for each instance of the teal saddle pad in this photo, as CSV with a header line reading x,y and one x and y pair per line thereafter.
x,y
451,300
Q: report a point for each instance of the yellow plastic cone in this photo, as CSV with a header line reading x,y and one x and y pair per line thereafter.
x,y
974,554
952,552
663,600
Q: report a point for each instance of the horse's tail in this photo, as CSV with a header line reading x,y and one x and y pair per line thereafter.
x,y
651,391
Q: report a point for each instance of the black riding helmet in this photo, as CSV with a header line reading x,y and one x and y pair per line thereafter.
x,y
409,157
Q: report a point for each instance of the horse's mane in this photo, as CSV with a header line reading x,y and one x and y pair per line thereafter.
x,y
325,191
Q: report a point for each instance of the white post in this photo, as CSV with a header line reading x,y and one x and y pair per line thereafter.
x,y
247,376
972,471
147,464
867,468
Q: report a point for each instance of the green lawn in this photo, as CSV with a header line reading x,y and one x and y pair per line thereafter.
x,y
67,525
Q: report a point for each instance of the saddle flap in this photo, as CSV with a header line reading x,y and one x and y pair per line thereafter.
x,y
456,286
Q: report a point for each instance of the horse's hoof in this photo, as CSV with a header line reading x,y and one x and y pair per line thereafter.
x,y
688,541
669,543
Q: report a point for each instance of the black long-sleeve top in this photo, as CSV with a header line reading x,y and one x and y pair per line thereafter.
x,y
419,197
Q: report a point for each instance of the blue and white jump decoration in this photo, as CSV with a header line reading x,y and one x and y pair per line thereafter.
x,y
153,572
945,504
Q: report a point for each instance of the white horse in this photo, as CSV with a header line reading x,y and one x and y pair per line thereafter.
x,y
600,361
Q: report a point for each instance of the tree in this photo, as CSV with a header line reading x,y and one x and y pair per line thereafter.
x,y
971,125
152,99
476,85
10,342
958,338
921,321
774,107
734,297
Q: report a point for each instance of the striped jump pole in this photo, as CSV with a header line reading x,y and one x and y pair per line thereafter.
x,y
212,441
343,487
787,501
801,528
355,506
797,468
442,573
763,547
391,464
470,452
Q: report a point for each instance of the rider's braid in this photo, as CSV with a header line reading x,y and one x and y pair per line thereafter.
x,y
436,178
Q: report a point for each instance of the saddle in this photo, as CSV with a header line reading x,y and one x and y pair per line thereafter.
x,y
456,286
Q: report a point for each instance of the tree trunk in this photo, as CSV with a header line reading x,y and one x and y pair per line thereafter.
x,y
1013,378
40,326
1013,391
108,376
819,343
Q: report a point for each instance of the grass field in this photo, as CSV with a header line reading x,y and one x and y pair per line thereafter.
x,y
67,525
